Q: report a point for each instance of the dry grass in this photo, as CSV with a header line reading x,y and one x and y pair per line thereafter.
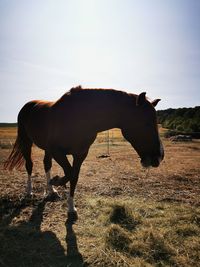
x,y
7,137
159,239
127,216
8,133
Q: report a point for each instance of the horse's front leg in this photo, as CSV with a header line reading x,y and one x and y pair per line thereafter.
x,y
29,192
72,211
77,162
62,160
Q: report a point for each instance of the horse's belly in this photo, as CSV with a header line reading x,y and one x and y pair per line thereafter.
x,y
73,143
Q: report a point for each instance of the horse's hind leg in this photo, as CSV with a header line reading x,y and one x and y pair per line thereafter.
x,y
47,167
29,166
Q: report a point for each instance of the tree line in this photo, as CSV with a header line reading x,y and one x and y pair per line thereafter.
x,y
185,120
7,124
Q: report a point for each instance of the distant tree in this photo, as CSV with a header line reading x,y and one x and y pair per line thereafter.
x,y
182,119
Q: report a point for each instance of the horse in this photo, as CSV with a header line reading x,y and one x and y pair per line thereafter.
x,y
70,125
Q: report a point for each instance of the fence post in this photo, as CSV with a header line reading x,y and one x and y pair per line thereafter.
x,y
108,143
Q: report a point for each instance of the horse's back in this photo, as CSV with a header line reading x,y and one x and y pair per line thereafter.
x,y
79,115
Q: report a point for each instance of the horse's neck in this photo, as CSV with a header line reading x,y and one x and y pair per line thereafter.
x,y
114,115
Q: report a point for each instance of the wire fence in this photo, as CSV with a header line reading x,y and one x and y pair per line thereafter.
x,y
107,138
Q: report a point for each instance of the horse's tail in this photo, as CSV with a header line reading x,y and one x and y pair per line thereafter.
x,y
16,157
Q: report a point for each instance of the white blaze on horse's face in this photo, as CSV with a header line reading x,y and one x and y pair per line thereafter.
x,y
143,133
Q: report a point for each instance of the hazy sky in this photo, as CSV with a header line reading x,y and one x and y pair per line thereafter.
x,y
49,46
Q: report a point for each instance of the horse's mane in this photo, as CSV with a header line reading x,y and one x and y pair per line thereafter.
x,y
79,91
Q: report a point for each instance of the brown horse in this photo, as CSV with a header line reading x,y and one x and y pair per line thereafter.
x,y
70,125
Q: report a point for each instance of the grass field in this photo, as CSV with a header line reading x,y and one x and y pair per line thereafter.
x,y
128,216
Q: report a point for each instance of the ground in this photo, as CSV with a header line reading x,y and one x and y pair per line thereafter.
x,y
34,233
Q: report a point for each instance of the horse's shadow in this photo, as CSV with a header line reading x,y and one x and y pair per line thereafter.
x,y
26,245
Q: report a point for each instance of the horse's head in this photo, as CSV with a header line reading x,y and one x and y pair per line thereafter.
x,y
141,130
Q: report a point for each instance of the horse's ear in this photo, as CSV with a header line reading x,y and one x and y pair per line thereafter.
x,y
155,102
141,99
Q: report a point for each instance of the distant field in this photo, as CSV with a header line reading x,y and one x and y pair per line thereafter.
x,y
128,216
8,135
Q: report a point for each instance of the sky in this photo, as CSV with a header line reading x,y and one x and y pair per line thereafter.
x,y
49,46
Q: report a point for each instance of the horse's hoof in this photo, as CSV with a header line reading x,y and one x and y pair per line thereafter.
x,y
29,195
55,180
54,196
72,217
58,181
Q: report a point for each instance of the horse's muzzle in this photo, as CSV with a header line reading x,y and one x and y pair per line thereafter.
x,y
146,163
151,161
